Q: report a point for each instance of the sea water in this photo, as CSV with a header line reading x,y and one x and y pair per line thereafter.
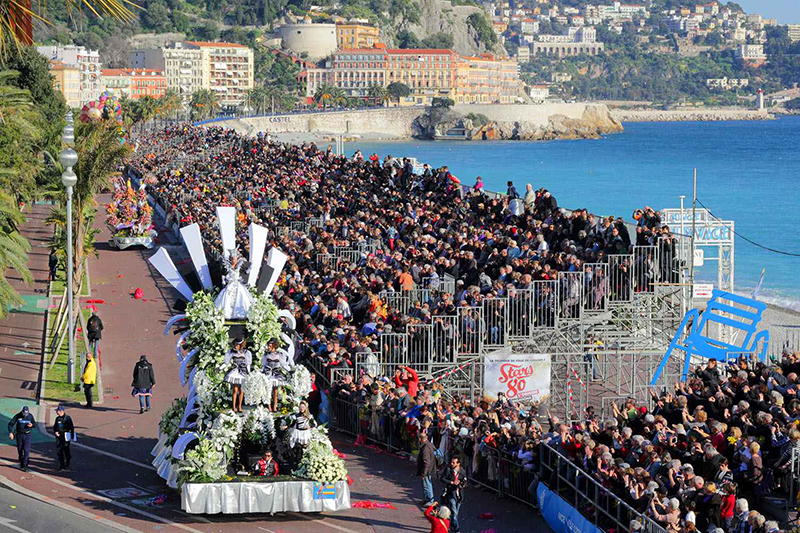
x,y
748,172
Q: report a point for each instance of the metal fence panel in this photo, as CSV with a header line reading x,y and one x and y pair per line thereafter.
x,y
495,317
397,301
545,304
646,268
620,287
420,339
393,349
520,313
570,294
595,292
444,339
470,331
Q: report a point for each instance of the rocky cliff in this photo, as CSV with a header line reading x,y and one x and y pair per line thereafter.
x,y
441,16
594,122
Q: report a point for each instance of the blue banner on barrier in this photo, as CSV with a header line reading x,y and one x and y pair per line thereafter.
x,y
559,515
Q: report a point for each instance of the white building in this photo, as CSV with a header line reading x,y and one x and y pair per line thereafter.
x,y
752,54
316,40
539,93
794,32
619,10
225,68
86,61
529,26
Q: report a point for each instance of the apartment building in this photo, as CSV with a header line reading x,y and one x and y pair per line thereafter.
x,y
355,36
86,61
225,68
67,81
752,54
134,83
794,32
485,79
429,74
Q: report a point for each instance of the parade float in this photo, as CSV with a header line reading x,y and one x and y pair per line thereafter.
x,y
242,439
129,217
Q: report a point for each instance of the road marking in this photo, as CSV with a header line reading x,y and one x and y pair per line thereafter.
x,y
9,524
74,510
107,500
265,529
322,522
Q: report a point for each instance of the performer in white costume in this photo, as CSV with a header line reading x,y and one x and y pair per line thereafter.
x,y
235,299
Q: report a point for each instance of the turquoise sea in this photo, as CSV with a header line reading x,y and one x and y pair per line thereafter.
x,y
748,172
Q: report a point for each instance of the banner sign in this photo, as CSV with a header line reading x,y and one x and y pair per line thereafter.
x,y
560,516
323,491
519,376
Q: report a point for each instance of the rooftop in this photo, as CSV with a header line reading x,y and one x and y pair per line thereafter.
x,y
216,45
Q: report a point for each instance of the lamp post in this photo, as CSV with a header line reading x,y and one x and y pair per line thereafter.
x,y
69,158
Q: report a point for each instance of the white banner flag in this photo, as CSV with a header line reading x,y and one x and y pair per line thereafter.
x,y
520,376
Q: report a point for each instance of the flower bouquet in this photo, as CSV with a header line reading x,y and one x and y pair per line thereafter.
x,y
129,217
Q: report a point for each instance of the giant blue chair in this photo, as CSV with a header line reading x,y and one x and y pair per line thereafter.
x,y
697,343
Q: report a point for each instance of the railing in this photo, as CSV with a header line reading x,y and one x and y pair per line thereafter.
x,y
585,494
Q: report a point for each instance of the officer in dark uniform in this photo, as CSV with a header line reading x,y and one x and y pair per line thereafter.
x,y
20,429
61,427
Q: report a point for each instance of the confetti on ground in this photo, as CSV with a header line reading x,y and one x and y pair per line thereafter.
x,y
369,504
95,301
13,506
486,516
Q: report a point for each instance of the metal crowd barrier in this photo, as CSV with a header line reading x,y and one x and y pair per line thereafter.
x,y
585,494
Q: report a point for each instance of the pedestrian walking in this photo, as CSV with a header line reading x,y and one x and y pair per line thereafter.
x,y
64,430
94,330
426,468
52,262
89,378
143,381
20,429
454,479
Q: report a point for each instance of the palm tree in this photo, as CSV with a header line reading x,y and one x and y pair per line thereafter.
x,y
170,104
18,167
379,95
324,95
203,104
17,17
13,252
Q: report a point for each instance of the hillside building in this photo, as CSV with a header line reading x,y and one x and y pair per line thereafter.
x,y
429,74
86,61
67,81
317,41
134,83
225,68
794,32
752,54
354,36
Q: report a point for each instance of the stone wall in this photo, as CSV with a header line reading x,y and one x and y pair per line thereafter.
x,y
397,122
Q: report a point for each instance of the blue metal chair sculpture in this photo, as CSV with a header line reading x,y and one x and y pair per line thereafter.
x,y
696,343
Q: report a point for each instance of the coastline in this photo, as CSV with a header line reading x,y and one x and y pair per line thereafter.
x,y
688,115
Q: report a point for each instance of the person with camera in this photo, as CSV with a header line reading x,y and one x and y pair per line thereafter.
x,y
439,517
454,478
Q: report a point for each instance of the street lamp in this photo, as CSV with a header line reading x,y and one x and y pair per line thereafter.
x,y
69,158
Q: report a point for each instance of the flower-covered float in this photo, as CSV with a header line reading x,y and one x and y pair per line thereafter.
x,y
242,440
130,217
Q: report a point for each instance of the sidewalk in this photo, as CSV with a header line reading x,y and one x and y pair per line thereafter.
x,y
22,331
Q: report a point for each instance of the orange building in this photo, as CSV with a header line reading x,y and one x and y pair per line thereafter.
x,y
354,36
134,83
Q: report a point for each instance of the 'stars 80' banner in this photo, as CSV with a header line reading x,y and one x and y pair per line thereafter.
x,y
518,376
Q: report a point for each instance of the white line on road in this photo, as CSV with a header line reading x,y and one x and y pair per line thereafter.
x,y
80,512
7,522
108,500
322,522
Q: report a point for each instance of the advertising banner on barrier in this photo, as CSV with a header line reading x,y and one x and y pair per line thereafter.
x,y
559,515
518,376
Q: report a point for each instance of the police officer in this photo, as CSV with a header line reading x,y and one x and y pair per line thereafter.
x,y
61,427
20,429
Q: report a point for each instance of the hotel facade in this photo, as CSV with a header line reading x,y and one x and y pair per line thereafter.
x,y
428,73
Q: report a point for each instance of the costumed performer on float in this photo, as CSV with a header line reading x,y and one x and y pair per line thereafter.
x,y
241,359
301,424
235,299
276,365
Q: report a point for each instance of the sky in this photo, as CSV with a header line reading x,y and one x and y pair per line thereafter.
x,y
786,11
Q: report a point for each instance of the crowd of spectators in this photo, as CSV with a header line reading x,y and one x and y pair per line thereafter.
x,y
708,452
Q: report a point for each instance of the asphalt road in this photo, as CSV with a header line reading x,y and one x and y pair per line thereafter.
x,y
22,514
